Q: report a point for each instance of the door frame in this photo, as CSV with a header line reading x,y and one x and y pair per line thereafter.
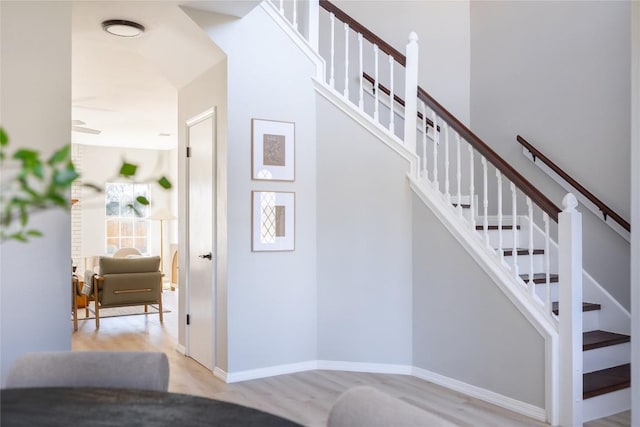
x,y
208,113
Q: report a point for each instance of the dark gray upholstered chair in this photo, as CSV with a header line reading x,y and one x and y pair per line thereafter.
x,y
365,406
110,369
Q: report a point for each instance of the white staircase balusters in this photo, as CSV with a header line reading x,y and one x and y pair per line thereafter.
x,y
332,82
447,195
514,219
500,241
458,173
313,13
410,98
346,60
436,142
425,129
547,265
570,303
530,228
485,200
376,84
295,14
391,100
281,8
472,190
360,74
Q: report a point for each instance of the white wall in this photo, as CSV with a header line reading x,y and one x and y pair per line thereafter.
x,y
558,74
99,166
35,278
635,212
444,39
364,244
271,295
206,91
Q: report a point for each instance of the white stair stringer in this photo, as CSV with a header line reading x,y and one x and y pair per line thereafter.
x,y
487,258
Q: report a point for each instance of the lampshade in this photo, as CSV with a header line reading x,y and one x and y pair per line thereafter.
x,y
162,214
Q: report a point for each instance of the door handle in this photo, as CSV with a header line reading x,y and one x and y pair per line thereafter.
x,y
206,256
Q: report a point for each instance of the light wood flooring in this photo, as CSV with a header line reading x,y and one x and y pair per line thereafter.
x,y
304,397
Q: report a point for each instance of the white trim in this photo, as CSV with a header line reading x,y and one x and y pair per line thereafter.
x,y
180,349
483,394
220,373
296,38
375,368
270,371
476,392
581,198
368,124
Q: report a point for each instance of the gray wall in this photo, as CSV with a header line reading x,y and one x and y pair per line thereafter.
x,y
464,327
443,31
558,74
271,295
364,244
35,109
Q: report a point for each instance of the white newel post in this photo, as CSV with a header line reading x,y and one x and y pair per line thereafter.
x,y
570,306
314,23
411,93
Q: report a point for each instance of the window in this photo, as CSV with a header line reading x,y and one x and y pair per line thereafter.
x,y
126,219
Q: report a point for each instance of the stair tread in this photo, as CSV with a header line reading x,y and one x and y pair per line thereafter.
x,y
522,251
539,278
606,380
464,205
597,339
586,306
495,227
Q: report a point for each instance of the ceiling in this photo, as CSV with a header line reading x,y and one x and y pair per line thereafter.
x,y
127,88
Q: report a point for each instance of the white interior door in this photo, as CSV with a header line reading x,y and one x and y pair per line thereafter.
x,y
201,187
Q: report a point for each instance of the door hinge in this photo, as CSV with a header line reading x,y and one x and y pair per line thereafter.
x,y
188,151
188,320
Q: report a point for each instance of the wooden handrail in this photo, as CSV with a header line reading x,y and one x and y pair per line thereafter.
x,y
396,98
606,210
505,168
366,33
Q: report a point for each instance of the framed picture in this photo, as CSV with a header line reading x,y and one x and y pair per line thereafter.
x,y
272,150
273,221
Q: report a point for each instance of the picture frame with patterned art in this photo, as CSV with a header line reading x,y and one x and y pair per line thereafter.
x,y
273,221
273,150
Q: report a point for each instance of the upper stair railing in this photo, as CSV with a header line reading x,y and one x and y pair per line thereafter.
x,y
461,171
585,197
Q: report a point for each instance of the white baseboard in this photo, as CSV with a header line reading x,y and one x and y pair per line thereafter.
x,y
181,349
374,368
219,373
271,371
497,399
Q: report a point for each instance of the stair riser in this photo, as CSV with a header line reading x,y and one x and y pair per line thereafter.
x,y
606,357
606,404
590,320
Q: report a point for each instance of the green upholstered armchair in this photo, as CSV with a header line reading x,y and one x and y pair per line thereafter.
x,y
127,281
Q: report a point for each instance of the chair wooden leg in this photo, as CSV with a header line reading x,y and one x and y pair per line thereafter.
x,y
96,304
74,302
160,306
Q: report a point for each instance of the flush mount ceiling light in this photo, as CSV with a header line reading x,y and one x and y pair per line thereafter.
x,y
122,28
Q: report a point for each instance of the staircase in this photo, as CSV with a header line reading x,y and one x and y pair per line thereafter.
x,y
500,218
606,354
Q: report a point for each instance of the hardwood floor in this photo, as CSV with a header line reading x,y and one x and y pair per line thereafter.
x,y
304,397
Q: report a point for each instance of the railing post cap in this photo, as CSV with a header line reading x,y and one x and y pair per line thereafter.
x,y
413,37
569,202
